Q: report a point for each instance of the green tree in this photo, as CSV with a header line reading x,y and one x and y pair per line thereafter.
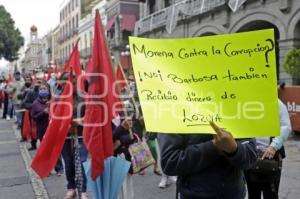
x,y
10,37
292,64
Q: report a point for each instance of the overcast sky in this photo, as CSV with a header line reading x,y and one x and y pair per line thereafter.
x,y
42,13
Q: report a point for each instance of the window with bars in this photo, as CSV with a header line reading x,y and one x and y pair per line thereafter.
x,y
151,6
77,21
168,3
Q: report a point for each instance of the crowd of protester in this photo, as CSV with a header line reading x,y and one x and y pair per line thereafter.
x,y
204,166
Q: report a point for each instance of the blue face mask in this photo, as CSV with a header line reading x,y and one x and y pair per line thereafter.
x,y
43,93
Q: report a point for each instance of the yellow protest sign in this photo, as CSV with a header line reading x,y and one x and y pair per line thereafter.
x,y
229,79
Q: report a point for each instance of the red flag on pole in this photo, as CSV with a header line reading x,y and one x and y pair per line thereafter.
x,y
120,77
29,127
33,78
89,68
97,130
10,79
56,70
50,149
48,72
74,61
45,76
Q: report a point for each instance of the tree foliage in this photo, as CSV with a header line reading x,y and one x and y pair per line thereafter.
x,y
10,37
292,64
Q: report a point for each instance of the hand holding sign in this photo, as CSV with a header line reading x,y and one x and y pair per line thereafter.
x,y
228,79
223,140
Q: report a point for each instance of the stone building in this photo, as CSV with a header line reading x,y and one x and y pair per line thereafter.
x,y
122,16
30,62
68,27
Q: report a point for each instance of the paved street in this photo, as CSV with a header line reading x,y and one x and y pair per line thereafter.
x,y
17,181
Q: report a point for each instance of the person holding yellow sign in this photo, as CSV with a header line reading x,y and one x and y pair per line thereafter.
x,y
265,175
207,166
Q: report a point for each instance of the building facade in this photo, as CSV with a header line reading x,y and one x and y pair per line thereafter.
x,y
122,16
43,53
86,29
55,47
68,28
30,61
194,18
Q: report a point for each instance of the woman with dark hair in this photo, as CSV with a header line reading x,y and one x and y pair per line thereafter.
x,y
31,95
40,111
75,133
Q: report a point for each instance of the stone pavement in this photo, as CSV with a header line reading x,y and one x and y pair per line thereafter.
x,y
17,181
14,179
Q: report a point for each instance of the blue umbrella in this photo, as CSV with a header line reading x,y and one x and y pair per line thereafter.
x,y
109,184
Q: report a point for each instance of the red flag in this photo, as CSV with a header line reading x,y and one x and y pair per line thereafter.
x,y
74,61
45,77
10,79
26,128
34,78
120,77
54,139
89,67
56,70
49,72
98,138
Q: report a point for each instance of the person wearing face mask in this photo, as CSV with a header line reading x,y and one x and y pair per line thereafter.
x,y
40,111
32,95
21,96
40,114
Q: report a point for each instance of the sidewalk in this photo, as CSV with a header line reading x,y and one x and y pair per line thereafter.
x,y
17,181
14,179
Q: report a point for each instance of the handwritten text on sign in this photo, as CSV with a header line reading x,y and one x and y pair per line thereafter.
x,y
229,79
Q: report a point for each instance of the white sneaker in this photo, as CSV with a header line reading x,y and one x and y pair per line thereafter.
x,y
163,182
84,196
173,179
7,118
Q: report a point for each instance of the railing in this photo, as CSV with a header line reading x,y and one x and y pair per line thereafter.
x,y
171,14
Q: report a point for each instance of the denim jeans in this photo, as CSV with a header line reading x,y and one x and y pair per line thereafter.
x,y
18,114
10,108
68,156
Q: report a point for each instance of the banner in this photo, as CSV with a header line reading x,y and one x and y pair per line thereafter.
x,y
229,79
290,96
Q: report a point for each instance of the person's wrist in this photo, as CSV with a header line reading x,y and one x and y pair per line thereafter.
x,y
233,150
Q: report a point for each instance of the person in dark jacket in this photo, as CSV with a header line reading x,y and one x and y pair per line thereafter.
x,y
40,111
122,139
76,130
207,166
31,95
26,88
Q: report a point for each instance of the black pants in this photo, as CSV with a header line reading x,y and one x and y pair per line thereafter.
x,y
269,185
5,105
